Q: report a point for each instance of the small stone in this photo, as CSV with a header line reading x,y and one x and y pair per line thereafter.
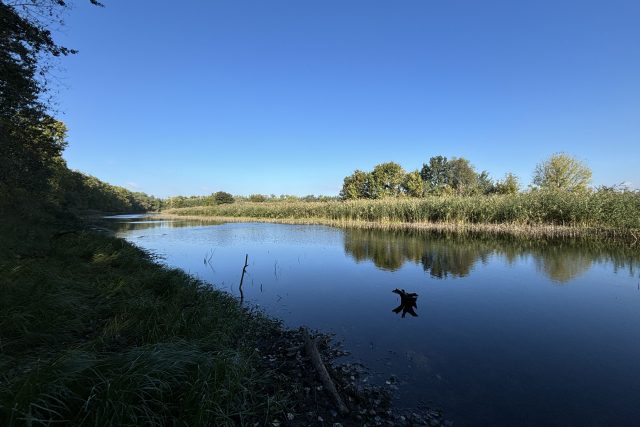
x,y
320,419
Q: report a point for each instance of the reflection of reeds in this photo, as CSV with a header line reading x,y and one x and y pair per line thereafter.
x,y
513,229
601,213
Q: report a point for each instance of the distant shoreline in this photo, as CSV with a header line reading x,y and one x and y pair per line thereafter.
x,y
495,229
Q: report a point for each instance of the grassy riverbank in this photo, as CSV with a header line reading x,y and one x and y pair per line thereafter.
x,y
93,331
537,213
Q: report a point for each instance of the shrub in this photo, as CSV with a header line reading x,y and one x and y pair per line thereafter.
x,y
222,198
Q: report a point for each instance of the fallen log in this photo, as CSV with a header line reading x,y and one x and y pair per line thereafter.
x,y
312,351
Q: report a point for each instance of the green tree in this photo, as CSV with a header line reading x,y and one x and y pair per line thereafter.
x,y
508,185
461,176
451,176
222,197
562,172
387,180
413,185
31,141
434,173
356,186
485,184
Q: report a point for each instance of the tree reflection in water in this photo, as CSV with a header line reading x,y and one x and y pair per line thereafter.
x,y
446,255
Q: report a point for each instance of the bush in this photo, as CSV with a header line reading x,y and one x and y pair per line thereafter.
x,y
222,198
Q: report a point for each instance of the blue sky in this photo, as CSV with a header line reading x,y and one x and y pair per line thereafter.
x,y
279,96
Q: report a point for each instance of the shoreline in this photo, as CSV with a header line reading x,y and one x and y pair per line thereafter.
x,y
121,322
541,231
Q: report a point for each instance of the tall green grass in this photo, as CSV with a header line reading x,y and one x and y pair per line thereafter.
x,y
599,209
93,332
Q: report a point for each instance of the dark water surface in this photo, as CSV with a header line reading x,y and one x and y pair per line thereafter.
x,y
508,332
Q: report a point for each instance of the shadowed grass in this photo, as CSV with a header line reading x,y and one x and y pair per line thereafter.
x,y
93,332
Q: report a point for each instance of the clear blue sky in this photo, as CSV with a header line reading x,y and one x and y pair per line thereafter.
x,y
191,97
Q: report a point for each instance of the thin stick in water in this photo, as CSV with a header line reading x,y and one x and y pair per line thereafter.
x,y
244,270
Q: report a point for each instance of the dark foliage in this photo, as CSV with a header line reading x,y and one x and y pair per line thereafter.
x,y
222,197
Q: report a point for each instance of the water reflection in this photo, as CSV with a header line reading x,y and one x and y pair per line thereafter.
x,y
444,256
123,226
498,343
407,302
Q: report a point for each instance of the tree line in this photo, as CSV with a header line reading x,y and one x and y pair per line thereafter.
x,y
457,176
77,191
33,174
222,197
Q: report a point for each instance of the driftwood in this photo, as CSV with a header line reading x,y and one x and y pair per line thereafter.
x,y
312,351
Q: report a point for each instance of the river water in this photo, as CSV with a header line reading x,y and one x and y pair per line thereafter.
x,y
506,332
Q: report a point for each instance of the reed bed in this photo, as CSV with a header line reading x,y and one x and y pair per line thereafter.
x,y
536,213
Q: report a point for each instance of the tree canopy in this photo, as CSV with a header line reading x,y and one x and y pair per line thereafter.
x,y
31,140
356,186
386,180
222,197
562,172
439,176
508,185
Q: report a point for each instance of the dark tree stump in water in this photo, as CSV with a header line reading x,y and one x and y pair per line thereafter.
x,y
407,302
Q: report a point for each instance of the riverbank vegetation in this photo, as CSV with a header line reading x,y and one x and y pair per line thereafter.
x,y
445,177
449,195
93,332
32,170
603,212
212,200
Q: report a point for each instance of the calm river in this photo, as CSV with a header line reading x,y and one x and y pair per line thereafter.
x,y
507,332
